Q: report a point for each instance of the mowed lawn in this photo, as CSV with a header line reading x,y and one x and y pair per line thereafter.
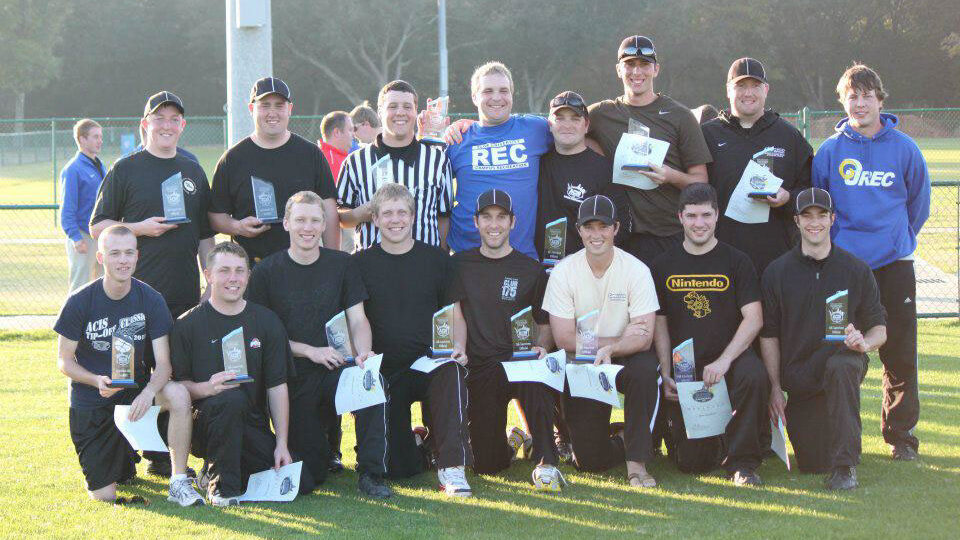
x,y
43,489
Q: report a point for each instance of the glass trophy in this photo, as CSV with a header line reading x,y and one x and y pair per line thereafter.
x,y
433,121
684,364
523,334
338,336
639,158
442,344
235,356
554,241
174,205
382,172
587,341
837,316
122,361
264,200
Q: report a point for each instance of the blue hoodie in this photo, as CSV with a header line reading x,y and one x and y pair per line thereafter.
x,y
880,188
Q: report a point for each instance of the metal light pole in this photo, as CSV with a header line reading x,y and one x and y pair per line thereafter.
x,y
249,57
442,45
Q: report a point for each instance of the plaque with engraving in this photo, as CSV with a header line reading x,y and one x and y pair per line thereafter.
x,y
174,203
554,241
235,356
838,316
122,361
433,121
523,334
587,341
442,344
338,336
264,200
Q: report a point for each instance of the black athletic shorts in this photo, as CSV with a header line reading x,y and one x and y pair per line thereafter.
x,y
105,455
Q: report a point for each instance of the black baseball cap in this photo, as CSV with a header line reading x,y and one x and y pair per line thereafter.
x,y
814,197
160,99
570,100
637,47
495,197
598,207
746,67
269,85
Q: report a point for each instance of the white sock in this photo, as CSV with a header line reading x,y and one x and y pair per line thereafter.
x,y
176,477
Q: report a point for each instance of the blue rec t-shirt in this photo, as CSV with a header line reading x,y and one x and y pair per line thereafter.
x,y
505,157
90,318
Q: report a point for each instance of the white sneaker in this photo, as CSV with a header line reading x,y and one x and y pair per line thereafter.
x,y
548,478
518,439
182,492
453,482
216,500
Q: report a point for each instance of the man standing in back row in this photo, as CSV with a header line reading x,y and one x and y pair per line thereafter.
x,y
747,132
879,180
655,224
275,155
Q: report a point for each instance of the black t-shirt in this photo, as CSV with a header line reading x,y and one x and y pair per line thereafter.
x,y
296,166
493,290
568,180
404,293
196,350
91,318
306,297
131,193
701,296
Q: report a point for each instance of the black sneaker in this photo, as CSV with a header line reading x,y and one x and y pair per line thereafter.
x,y
744,477
842,478
335,465
373,486
904,452
164,470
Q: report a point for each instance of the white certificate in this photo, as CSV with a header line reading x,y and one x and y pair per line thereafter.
x,y
594,382
280,485
706,412
360,388
548,370
779,441
427,364
635,149
741,207
142,434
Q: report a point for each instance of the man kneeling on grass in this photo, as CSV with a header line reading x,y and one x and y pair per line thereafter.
x,y
232,420
113,318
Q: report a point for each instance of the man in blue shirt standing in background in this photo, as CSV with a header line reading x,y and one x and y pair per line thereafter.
x,y
501,151
881,187
80,180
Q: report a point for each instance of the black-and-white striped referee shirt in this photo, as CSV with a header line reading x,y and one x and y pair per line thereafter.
x,y
420,167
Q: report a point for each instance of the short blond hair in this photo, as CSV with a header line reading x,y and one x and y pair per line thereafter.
x,y
391,192
82,128
302,197
490,68
229,248
113,230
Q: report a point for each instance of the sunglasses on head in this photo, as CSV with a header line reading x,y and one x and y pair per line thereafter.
x,y
634,50
568,101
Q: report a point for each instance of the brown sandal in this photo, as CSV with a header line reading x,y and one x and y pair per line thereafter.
x,y
645,480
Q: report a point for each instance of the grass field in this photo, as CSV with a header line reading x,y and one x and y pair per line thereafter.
x,y
43,489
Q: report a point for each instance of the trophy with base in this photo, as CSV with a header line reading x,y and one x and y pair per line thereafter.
x,y
122,361
587,341
174,205
264,200
523,334
235,356
640,148
338,336
837,316
433,123
442,344
554,241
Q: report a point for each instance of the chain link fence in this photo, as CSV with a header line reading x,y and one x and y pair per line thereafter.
x,y
33,283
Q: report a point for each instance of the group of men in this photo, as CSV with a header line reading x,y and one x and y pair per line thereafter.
x,y
658,266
